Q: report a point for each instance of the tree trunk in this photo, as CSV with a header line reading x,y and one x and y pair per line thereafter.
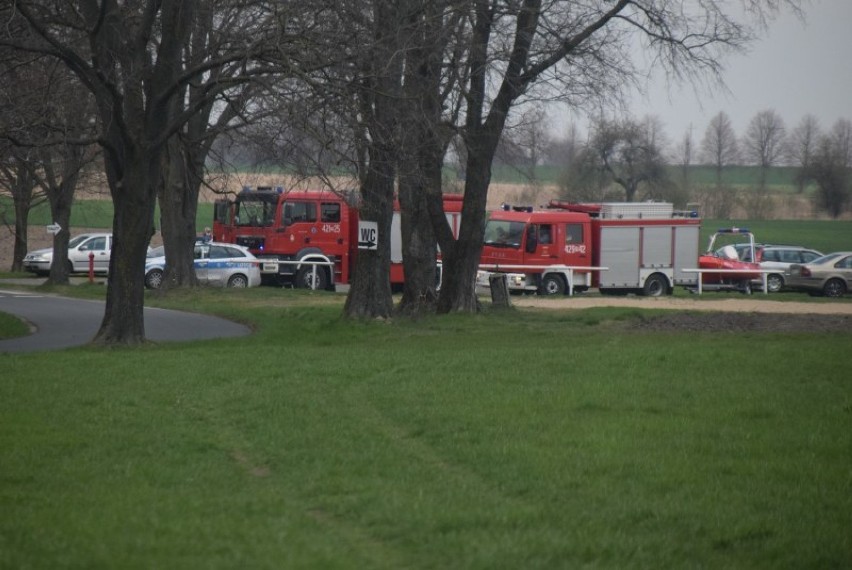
x,y
418,246
61,198
461,263
378,97
178,198
133,200
22,197
60,207
370,293
423,151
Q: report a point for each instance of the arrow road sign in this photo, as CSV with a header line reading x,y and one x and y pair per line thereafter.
x,y
368,235
54,228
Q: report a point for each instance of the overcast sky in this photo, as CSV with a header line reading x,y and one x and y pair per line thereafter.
x,y
796,68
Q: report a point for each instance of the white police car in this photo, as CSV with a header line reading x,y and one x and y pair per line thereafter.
x,y
217,264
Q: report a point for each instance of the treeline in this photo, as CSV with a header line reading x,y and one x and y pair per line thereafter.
x,y
636,159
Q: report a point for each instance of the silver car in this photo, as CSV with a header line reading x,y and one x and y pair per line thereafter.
x,y
217,264
829,275
81,248
778,258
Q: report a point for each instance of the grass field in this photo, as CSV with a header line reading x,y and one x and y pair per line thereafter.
x,y
517,439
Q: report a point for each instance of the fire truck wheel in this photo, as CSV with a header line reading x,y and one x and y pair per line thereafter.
x,y
304,278
655,286
552,285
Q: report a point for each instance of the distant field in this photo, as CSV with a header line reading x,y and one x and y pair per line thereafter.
x,y
822,235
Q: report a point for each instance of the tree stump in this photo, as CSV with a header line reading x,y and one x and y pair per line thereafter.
x,y
499,290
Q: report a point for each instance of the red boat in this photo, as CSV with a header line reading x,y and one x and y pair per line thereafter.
x,y
726,259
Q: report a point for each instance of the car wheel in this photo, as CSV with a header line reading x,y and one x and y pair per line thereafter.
x,y
238,281
834,288
552,285
655,286
305,278
154,279
774,282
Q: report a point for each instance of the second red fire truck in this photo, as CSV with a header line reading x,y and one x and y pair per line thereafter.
x,y
617,247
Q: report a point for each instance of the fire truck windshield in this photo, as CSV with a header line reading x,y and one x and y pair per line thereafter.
x,y
501,233
254,212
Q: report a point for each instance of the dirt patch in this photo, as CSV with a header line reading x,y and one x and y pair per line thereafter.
x,y
756,313
745,322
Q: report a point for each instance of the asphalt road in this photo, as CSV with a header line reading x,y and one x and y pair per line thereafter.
x,y
62,322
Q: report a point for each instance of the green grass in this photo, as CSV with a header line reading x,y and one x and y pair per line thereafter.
x,y
518,439
822,235
11,327
92,214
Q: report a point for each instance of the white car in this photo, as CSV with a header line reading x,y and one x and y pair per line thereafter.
x,y
80,248
218,264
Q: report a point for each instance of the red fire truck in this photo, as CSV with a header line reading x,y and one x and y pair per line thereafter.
x,y
617,247
306,238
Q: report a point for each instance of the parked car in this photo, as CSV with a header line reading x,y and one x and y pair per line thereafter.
x,y
829,275
79,249
779,257
218,264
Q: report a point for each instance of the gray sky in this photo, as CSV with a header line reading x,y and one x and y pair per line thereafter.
x,y
796,68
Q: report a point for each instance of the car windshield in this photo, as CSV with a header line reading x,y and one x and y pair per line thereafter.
x,y
256,211
501,233
825,258
75,241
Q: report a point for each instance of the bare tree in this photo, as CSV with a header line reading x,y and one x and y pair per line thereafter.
x,y
18,180
683,157
212,26
430,102
719,146
129,56
50,146
20,120
524,143
564,150
764,142
628,152
378,96
801,146
831,169
584,49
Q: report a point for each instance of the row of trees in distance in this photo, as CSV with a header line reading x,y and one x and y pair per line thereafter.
x,y
635,159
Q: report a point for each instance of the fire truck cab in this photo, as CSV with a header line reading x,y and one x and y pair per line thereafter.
x,y
286,230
